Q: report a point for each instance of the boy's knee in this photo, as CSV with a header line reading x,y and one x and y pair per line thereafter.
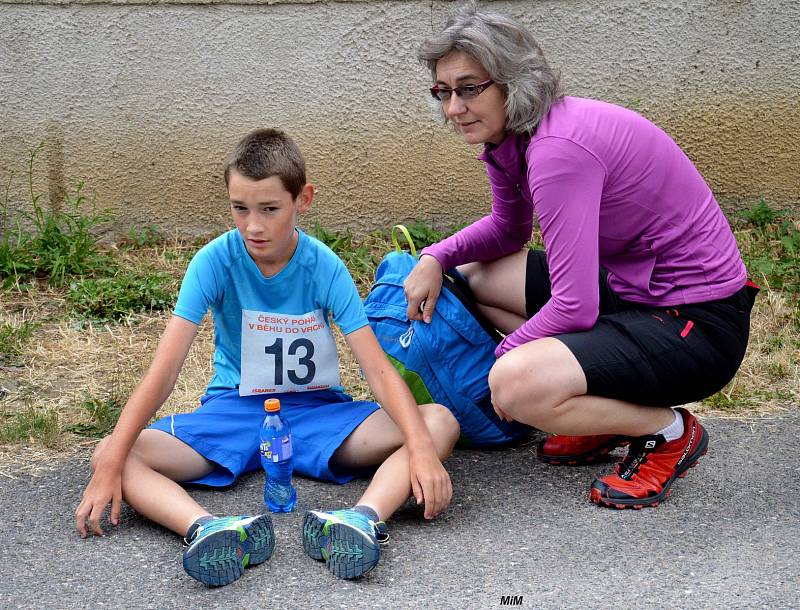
x,y
98,451
140,450
150,448
101,448
441,423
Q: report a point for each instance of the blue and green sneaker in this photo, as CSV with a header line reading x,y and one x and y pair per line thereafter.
x,y
221,549
346,540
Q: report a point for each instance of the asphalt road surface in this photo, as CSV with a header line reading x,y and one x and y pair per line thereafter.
x,y
518,534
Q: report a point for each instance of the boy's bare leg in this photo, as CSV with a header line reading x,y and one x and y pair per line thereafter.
x,y
378,440
156,461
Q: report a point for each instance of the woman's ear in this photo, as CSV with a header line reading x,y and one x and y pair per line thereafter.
x,y
305,198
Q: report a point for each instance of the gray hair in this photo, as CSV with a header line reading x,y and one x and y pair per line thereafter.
x,y
508,52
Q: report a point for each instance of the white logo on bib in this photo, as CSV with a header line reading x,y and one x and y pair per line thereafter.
x,y
286,353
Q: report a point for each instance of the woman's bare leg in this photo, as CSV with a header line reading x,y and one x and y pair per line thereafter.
x,y
499,289
542,384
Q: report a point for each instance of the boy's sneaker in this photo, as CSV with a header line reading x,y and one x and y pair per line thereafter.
x,y
347,541
221,549
562,450
646,474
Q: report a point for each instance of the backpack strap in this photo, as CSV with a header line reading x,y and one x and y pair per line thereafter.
x,y
455,283
407,235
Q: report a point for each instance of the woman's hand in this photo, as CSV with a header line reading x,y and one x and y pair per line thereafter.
x,y
422,288
430,482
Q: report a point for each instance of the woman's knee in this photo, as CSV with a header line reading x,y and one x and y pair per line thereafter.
x,y
530,382
513,389
472,271
442,425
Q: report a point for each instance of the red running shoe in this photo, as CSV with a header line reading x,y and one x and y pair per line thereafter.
x,y
562,450
646,474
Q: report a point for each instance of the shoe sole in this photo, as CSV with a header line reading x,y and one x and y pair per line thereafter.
x,y
346,551
638,503
220,558
581,459
313,538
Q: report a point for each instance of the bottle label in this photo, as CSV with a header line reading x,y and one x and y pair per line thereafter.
x,y
277,449
287,353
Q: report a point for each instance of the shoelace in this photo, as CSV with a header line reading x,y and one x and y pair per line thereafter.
x,y
637,456
656,472
378,528
630,466
217,524
381,531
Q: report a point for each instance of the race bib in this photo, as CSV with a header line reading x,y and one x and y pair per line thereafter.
x,y
285,353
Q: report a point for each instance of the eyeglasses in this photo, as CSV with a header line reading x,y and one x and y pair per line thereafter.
x,y
465,92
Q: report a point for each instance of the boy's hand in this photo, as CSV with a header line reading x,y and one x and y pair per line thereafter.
x,y
430,482
422,288
104,487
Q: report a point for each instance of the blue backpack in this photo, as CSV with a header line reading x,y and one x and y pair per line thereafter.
x,y
446,361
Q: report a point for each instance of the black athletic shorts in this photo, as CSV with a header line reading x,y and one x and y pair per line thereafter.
x,y
649,355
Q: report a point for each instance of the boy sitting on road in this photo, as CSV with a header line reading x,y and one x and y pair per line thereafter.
x,y
263,281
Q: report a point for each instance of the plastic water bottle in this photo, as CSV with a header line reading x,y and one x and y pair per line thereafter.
x,y
276,458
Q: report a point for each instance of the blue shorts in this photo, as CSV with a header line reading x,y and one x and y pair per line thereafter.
x,y
225,430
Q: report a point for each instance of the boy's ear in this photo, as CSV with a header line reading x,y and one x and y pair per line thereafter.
x,y
305,198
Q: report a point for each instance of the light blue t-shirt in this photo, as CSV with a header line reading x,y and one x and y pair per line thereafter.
x,y
271,334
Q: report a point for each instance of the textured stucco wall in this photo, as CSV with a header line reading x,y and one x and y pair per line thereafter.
x,y
144,99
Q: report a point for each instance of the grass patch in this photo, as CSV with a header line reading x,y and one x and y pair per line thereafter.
x,y
769,241
150,236
31,424
108,299
13,338
103,414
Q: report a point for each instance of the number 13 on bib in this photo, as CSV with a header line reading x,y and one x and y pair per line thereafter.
x,y
287,353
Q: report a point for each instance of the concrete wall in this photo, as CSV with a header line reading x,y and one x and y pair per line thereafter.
x,y
143,100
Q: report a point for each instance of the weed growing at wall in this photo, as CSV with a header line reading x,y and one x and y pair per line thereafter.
x,y
150,236
770,243
60,245
61,242
423,234
360,256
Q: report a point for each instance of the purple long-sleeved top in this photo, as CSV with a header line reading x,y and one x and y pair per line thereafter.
x,y
611,189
